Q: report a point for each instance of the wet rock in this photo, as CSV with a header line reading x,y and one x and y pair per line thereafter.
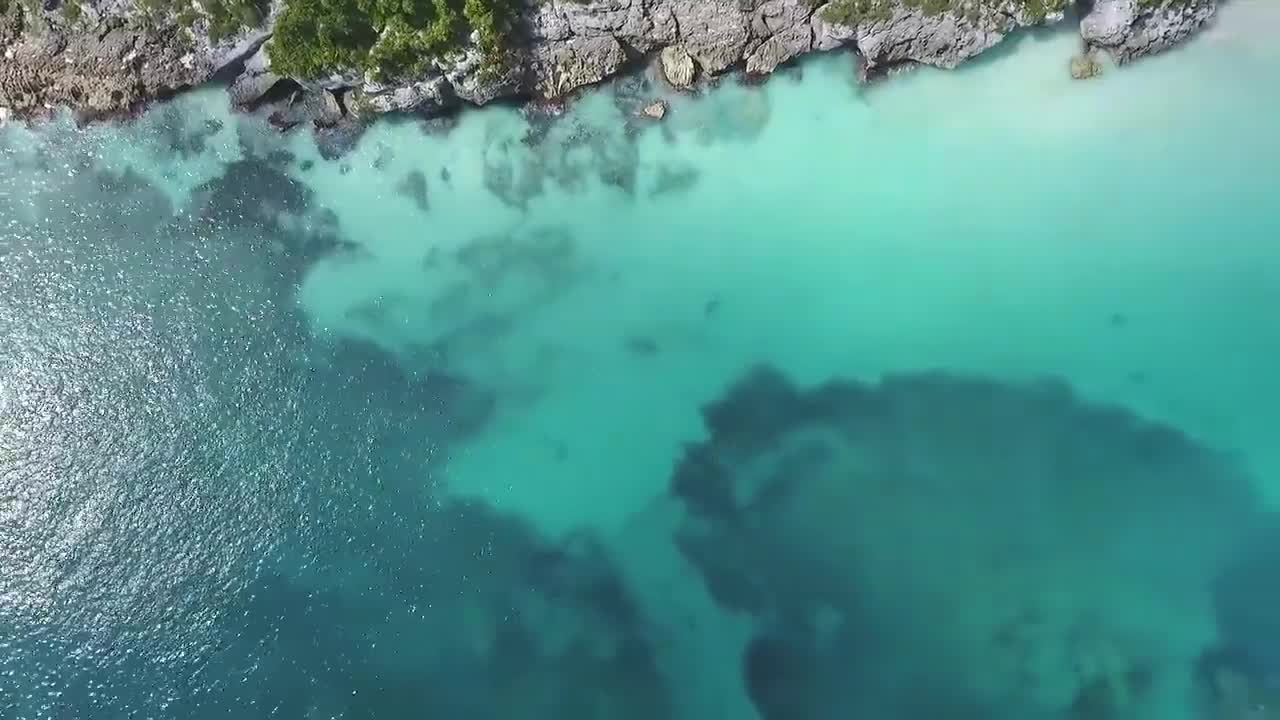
x,y
677,67
1084,67
655,110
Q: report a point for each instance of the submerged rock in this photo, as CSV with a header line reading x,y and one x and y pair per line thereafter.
x,y
991,537
655,110
1086,66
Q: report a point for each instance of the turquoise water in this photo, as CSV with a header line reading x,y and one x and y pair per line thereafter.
x,y
952,396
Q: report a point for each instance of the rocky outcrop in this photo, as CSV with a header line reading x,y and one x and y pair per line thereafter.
x,y
113,58
105,58
1129,29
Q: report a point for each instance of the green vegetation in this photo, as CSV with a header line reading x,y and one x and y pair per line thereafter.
x,y
313,37
71,10
852,12
225,17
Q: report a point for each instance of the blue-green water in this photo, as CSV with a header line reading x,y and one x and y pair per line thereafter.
x,y
950,397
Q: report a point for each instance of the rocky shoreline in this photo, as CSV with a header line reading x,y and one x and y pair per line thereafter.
x,y
110,57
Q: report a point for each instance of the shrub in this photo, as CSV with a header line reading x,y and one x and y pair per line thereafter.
x,y
313,37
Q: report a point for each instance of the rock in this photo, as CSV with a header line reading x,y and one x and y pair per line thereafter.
x,y
330,111
421,96
480,80
115,58
677,67
254,82
577,62
779,49
655,110
829,35
911,35
714,32
1128,29
1085,66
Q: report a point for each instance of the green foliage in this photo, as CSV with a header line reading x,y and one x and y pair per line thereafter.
x,y
1040,9
226,17
71,10
852,12
187,17
313,37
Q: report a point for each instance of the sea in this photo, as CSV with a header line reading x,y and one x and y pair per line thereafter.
x,y
955,395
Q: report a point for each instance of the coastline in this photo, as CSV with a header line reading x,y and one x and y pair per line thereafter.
x,y
112,60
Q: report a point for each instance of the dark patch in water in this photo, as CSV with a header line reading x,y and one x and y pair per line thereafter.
x,y
673,180
383,157
251,191
779,672
768,533
414,187
176,138
642,346
1247,601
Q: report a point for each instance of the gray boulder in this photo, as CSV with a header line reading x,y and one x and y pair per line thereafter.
x,y
677,66
427,96
563,67
254,82
780,48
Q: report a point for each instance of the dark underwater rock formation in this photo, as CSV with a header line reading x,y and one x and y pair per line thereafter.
x,y
470,613
980,546
1247,599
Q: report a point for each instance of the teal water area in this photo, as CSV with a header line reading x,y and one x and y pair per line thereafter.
x,y
953,396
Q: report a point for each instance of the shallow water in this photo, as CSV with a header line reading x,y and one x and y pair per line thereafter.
x,y
471,421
